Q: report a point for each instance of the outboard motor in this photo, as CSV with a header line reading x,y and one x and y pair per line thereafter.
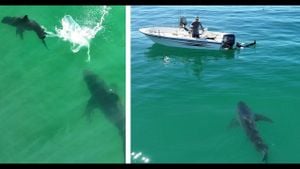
x,y
228,41
182,22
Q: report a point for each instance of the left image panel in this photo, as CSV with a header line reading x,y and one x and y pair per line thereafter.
x,y
62,90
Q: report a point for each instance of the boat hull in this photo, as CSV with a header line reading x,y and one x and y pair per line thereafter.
x,y
180,42
192,44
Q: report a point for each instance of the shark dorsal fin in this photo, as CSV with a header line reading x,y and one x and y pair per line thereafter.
x,y
25,18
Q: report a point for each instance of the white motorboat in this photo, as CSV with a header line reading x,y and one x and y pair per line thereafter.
x,y
182,37
179,37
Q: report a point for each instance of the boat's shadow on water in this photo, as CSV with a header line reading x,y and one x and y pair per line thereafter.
x,y
192,58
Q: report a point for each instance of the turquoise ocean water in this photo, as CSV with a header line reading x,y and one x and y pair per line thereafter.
x,y
181,108
42,92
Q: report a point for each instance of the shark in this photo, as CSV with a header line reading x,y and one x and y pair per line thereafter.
x,y
23,24
247,120
105,99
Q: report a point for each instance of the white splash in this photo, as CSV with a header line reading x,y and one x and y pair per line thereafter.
x,y
166,60
139,157
79,35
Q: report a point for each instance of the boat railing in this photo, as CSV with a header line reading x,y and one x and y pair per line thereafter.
x,y
162,25
178,32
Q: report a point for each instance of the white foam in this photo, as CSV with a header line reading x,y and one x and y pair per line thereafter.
x,y
166,60
79,35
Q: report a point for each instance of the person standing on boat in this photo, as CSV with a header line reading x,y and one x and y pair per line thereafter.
x,y
195,28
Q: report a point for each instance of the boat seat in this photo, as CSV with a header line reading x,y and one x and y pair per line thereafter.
x,y
209,35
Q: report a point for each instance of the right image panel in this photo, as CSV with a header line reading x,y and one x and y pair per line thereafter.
x,y
215,84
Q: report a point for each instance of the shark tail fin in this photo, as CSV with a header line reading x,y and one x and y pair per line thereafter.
x,y
265,157
259,117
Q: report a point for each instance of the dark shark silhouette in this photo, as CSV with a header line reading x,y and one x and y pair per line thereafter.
x,y
246,118
241,45
23,23
105,99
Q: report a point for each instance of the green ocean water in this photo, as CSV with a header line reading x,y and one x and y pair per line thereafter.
x,y
181,108
43,95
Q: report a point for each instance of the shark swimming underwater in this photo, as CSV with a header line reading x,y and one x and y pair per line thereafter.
x,y
246,119
103,98
23,23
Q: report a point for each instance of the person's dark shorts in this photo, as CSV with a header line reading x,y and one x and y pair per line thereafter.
x,y
195,35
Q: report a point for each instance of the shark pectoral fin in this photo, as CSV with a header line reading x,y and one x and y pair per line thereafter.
x,y
43,40
234,123
114,97
259,117
89,108
20,31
